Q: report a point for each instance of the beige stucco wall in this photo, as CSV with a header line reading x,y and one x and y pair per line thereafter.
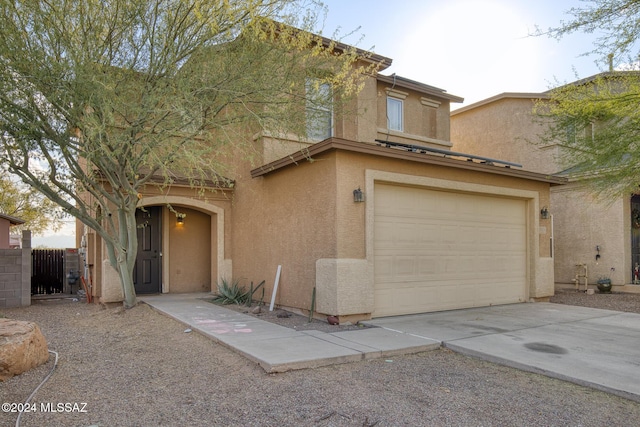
x,y
426,118
309,224
4,233
288,219
583,222
353,166
505,130
193,259
189,251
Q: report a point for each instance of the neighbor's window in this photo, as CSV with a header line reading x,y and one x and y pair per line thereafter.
x,y
319,110
394,114
570,131
574,133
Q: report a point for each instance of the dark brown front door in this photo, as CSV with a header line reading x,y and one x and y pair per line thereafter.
x,y
635,239
146,273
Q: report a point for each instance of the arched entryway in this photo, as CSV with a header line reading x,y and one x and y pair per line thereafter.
x,y
192,243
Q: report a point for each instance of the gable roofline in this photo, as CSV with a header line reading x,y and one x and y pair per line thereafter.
x,y
593,78
12,219
332,144
545,94
405,83
500,97
383,62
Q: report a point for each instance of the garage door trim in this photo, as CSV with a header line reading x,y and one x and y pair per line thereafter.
x,y
530,197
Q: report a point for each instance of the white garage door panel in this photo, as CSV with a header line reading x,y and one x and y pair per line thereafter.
x,y
438,250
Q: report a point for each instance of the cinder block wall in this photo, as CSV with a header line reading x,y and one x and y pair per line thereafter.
x,y
15,274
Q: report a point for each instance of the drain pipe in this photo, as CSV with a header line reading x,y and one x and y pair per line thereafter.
x,y
552,248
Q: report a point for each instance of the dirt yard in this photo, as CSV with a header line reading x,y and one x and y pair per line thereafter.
x,y
139,368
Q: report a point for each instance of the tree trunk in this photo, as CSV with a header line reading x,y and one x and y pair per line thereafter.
x,y
126,277
123,252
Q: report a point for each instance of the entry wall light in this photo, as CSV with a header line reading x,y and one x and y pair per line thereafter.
x,y
358,195
544,213
180,218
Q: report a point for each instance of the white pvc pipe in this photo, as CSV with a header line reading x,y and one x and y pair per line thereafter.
x,y
275,288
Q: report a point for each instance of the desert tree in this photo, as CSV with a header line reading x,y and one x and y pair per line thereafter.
x,y
597,120
25,202
100,98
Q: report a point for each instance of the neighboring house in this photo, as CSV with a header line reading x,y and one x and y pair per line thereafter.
x,y
603,235
375,216
6,240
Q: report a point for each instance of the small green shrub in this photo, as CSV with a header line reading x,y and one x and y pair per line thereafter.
x,y
252,291
231,293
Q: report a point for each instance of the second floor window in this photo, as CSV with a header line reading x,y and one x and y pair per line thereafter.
x,y
394,114
319,110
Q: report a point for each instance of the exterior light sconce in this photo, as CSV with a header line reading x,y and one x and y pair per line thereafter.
x,y
358,195
180,218
544,213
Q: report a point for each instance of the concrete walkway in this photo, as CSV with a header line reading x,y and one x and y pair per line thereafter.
x,y
280,349
591,347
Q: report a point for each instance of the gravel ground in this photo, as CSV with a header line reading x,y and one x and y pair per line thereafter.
x,y
616,301
293,320
139,368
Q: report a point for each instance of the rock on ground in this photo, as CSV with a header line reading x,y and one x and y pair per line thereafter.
x,y
22,347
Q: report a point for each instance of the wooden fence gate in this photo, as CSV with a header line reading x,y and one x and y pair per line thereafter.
x,y
47,276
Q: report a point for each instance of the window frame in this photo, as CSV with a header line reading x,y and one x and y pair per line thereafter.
x,y
319,116
398,114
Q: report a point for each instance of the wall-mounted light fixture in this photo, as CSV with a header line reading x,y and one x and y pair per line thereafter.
x,y
358,195
180,218
544,213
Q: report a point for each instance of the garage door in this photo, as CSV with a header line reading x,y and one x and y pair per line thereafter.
x,y
441,250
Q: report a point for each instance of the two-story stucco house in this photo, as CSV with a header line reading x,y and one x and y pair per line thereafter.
x,y
583,230
374,212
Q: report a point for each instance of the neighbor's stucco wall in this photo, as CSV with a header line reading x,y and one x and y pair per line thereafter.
x,y
583,222
505,130
4,233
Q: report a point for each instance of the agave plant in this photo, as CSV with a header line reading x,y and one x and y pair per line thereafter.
x,y
231,292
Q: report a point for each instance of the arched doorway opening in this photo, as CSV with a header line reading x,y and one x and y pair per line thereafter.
x,y
192,243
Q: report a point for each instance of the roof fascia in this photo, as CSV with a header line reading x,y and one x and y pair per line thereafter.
x,y
405,83
12,219
377,150
505,95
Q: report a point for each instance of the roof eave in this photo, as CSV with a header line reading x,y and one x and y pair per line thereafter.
x,y
12,219
501,96
378,150
405,83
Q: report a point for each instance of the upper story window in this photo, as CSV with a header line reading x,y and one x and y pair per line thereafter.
x,y
395,114
574,133
319,110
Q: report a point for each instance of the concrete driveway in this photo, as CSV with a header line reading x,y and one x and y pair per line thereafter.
x,y
591,347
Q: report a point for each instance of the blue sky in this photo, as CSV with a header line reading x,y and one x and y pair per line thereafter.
x,y
471,48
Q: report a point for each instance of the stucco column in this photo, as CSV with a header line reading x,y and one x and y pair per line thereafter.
x,y
344,286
